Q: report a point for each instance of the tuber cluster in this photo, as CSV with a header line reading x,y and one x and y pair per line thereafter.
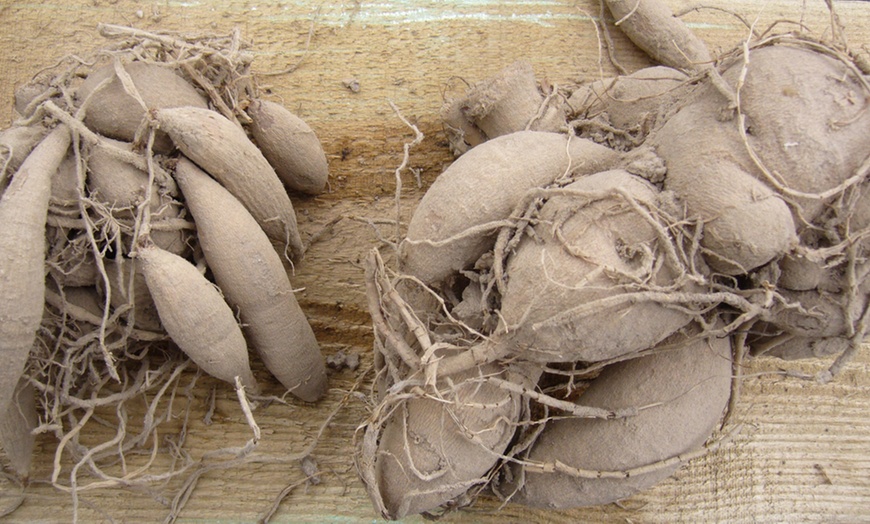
x,y
575,292
146,198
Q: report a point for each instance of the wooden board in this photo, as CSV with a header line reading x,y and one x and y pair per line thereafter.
x,y
804,451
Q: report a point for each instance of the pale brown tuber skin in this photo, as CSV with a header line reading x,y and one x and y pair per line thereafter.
x,y
796,347
798,272
653,27
16,429
592,245
223,150
69,258
28,96
255,282
290,145
508,102
120,272
457,219
681,393
462,135
115,113
23,213
811,139
746,224
195,315
15,144
434,448
802,149
65,188
790,136
121,186
633,103
821,314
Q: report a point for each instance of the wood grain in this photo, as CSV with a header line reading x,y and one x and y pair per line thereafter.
x,y
804,451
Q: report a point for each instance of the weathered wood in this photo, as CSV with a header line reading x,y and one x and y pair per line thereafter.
x,y
803,453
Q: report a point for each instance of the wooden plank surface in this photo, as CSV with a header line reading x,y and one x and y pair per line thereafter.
x,y
804,451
